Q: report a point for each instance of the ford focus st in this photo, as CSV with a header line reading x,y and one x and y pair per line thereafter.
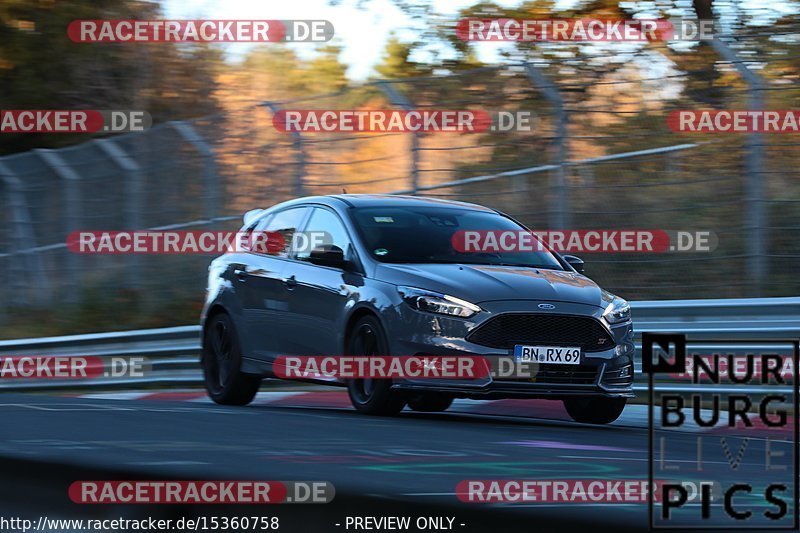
x,y
388,281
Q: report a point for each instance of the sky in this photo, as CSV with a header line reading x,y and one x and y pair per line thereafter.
x,y
362,33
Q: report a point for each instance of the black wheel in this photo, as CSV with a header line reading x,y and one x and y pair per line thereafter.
x,y
222,359
430,402
594,410
371,396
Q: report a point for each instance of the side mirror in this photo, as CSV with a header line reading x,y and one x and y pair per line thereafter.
x,y
575,262
328,255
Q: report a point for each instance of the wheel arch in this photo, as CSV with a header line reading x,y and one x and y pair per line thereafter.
x,y
216,309
357,314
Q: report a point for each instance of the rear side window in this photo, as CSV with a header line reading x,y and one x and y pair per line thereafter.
x,y
262,224
257,225
286,223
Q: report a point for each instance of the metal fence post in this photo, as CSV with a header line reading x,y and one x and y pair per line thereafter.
x,y
754,157
72,208
14,274
22,238
401,101
133,199
298,188
559,214
210,175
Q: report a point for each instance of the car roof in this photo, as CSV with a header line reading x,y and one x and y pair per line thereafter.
x,y
393,200
376,200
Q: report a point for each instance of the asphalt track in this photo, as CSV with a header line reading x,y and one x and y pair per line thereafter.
x,y
406,465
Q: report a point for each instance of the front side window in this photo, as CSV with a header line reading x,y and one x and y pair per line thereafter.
x,y
326,227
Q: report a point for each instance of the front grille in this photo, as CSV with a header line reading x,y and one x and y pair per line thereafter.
x,y
557,375
504,331
568,374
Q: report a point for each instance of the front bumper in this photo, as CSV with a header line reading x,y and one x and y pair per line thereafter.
x,y
606,373
603,379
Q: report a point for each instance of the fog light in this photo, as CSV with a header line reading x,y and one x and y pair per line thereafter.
x,y
625,372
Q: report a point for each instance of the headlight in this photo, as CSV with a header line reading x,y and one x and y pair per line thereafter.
x,y
434,302
617,311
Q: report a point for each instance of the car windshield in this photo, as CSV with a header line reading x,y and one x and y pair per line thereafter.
x,y
425,235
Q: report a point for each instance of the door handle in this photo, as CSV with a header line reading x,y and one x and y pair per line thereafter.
x,y
290,282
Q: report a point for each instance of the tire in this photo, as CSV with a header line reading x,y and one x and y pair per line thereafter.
x,y
222,360
430,402
371,396
594,410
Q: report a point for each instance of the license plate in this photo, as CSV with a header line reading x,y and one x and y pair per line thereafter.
x,y
564,355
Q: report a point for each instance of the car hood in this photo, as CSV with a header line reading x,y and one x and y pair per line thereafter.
x,y
483,283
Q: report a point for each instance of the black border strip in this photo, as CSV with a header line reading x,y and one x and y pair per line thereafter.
x,y
795,343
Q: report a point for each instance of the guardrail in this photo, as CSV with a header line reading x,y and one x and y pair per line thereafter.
x,y
174,352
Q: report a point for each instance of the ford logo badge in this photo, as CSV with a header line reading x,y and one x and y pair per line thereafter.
x,y
547,306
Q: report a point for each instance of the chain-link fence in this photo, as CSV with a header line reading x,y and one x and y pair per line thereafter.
x,y
599,157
